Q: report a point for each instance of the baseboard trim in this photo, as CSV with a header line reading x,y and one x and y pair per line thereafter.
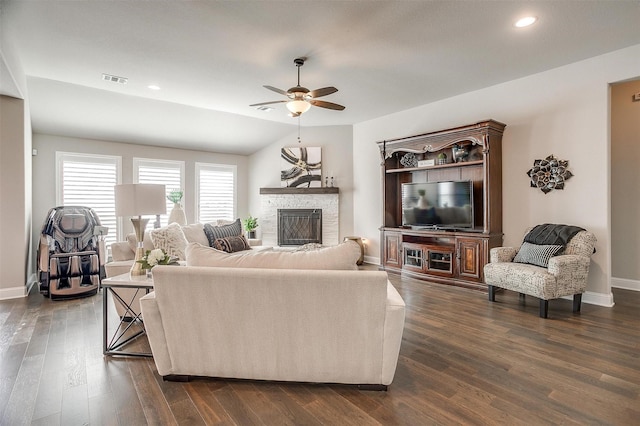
x,y
372,260
592,298
13,292
17,292
625,284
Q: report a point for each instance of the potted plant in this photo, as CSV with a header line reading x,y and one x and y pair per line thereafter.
x,y
250,224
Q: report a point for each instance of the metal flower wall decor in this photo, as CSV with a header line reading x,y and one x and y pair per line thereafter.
x,y
549,174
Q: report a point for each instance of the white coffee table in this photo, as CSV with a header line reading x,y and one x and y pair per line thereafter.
x,y
130,325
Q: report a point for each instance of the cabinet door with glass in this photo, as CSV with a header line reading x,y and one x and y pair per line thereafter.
x,y
412,257
439,260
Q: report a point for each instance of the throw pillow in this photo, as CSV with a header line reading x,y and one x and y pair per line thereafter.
x,y
536,254
341,257
171,239
214,232
231,244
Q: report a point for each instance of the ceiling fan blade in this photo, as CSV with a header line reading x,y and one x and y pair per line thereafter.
x,y
267,103
324,104
323,92
275,89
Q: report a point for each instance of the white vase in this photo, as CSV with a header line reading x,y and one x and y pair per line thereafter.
x,y
177,215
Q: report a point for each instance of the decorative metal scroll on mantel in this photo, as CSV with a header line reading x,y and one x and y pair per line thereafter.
x,y
549,174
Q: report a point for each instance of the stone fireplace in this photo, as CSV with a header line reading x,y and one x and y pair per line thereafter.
x,y
323,200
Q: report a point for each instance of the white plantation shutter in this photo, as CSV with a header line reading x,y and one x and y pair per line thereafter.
x,y
164,172
216,188
88,180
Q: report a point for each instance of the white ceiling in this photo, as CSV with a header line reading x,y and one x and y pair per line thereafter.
x,y
211,59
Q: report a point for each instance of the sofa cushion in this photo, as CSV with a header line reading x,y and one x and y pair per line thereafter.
x,y
232,244
223,231
171,239
341,257
536,254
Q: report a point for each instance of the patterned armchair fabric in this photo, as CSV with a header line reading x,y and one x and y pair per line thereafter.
x,y
565,275
71,255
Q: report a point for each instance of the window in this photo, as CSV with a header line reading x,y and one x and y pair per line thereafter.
x,y
215,192
88,180
166,172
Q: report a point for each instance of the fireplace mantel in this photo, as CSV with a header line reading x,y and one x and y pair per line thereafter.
x,y
311,191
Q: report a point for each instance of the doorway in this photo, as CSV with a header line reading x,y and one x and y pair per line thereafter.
x,y
625,184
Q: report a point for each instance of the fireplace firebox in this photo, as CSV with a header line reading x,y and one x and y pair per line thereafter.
x,y
299,226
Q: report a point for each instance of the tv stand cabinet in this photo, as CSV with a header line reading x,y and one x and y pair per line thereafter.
x,y
454,257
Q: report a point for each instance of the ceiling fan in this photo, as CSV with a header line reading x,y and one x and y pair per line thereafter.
x,y
299,99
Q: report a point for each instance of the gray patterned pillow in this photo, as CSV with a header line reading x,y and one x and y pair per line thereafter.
x,y
536,254
214,232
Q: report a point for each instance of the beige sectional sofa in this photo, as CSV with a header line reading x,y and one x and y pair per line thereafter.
x,y
123,254
330,326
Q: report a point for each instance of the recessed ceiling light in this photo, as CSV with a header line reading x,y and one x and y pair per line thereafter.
x,y
153,87
526,21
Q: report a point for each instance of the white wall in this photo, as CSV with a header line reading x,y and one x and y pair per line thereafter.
x,y
564,112
15,196
15,177
337,161
44,169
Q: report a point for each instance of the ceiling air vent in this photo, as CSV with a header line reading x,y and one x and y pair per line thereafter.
x,y
114,78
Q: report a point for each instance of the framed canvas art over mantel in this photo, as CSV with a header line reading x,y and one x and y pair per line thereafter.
x,y
301,167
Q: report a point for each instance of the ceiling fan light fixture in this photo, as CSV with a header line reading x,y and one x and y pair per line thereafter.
x,y
298,106
299,99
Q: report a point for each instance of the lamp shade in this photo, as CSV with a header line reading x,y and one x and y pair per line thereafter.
x,y
298,106
139,199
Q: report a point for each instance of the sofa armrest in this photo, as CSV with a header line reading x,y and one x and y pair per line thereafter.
x,y
155,333
254,242
393,328
502,254
571,271
121,251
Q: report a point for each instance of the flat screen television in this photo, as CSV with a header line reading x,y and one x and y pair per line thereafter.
x,y
446,205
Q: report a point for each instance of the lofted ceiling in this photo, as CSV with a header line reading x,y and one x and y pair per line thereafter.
x,y
211,59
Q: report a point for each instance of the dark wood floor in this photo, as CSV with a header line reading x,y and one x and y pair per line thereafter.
x,y
463,361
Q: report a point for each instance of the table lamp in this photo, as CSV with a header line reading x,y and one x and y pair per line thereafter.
x,y
139,199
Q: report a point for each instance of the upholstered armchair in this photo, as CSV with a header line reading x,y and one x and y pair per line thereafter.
x,y
545,271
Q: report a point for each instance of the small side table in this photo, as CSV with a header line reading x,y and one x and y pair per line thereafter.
x,y
131,328
361,244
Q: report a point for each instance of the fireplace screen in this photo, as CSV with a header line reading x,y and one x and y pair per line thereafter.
x,y
299,226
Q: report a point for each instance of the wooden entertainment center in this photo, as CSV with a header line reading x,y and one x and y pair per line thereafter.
x,y
450,255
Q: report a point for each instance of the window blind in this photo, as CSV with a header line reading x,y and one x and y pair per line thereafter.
x,y
88,180
216,185
165,172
